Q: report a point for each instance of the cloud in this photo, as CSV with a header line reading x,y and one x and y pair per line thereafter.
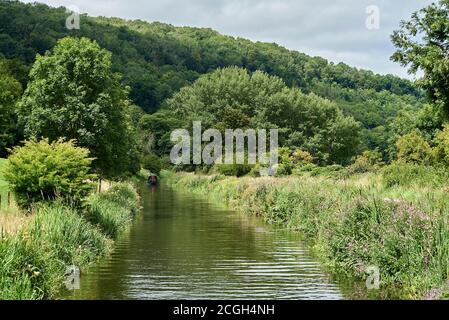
x,y
334,30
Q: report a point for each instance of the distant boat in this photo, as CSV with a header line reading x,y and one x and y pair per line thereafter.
x,y
152,180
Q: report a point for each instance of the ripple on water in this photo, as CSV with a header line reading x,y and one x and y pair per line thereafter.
x,y
185,248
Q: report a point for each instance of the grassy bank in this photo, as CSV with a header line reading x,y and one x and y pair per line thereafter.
x,y
34,260
3,184
351,224
11,220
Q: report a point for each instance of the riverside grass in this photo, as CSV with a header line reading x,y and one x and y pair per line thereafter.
x,y
351,224
33,262
4,188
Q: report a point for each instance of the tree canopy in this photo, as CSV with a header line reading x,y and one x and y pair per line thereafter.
x,y
232,98
423,45
10,91
73,93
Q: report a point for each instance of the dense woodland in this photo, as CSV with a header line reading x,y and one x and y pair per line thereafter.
x,y
156,60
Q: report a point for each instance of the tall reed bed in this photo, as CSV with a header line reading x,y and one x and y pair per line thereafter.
x,y
351,227
33,262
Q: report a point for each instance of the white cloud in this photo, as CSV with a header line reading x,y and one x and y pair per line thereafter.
x,y
334,30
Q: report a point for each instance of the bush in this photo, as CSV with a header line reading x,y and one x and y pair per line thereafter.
x,y
41,171
285,165
152,163
442,146
300,158
413,149
237,170
327,170
305,168
366,162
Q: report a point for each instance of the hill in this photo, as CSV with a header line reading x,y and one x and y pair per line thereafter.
x,y
158,59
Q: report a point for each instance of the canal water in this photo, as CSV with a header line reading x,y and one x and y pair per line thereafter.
x,y
183,247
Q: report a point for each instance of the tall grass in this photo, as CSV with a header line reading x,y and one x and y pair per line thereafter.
x,y
27,271
4,188
351,226
114,210
33,262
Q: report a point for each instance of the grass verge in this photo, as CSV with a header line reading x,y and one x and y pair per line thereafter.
x,y
351,224
33,261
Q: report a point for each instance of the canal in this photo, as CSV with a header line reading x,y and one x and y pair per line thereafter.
x,y
183,247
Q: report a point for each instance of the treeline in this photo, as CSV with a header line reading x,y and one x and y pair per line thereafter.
x,y
157,60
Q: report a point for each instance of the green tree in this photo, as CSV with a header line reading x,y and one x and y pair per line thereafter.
x,y
414,149
41,171
156,128
232,97
74,94
152,163
423,44
10,91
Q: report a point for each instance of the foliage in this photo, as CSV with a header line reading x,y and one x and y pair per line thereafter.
x,y
41,171
158,59
366,162
422,45
236,170
73,94
442,146
10,91
152,163
300,157
3,184
307,122
158,127
413,148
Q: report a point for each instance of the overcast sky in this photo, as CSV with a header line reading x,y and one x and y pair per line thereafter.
x,y
333,29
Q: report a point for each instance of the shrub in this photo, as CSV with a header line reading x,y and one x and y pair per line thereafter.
x,y
366,162
300,158
152,163
442,146
41,171
283,170
413,149
237,170
327,170
305,168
